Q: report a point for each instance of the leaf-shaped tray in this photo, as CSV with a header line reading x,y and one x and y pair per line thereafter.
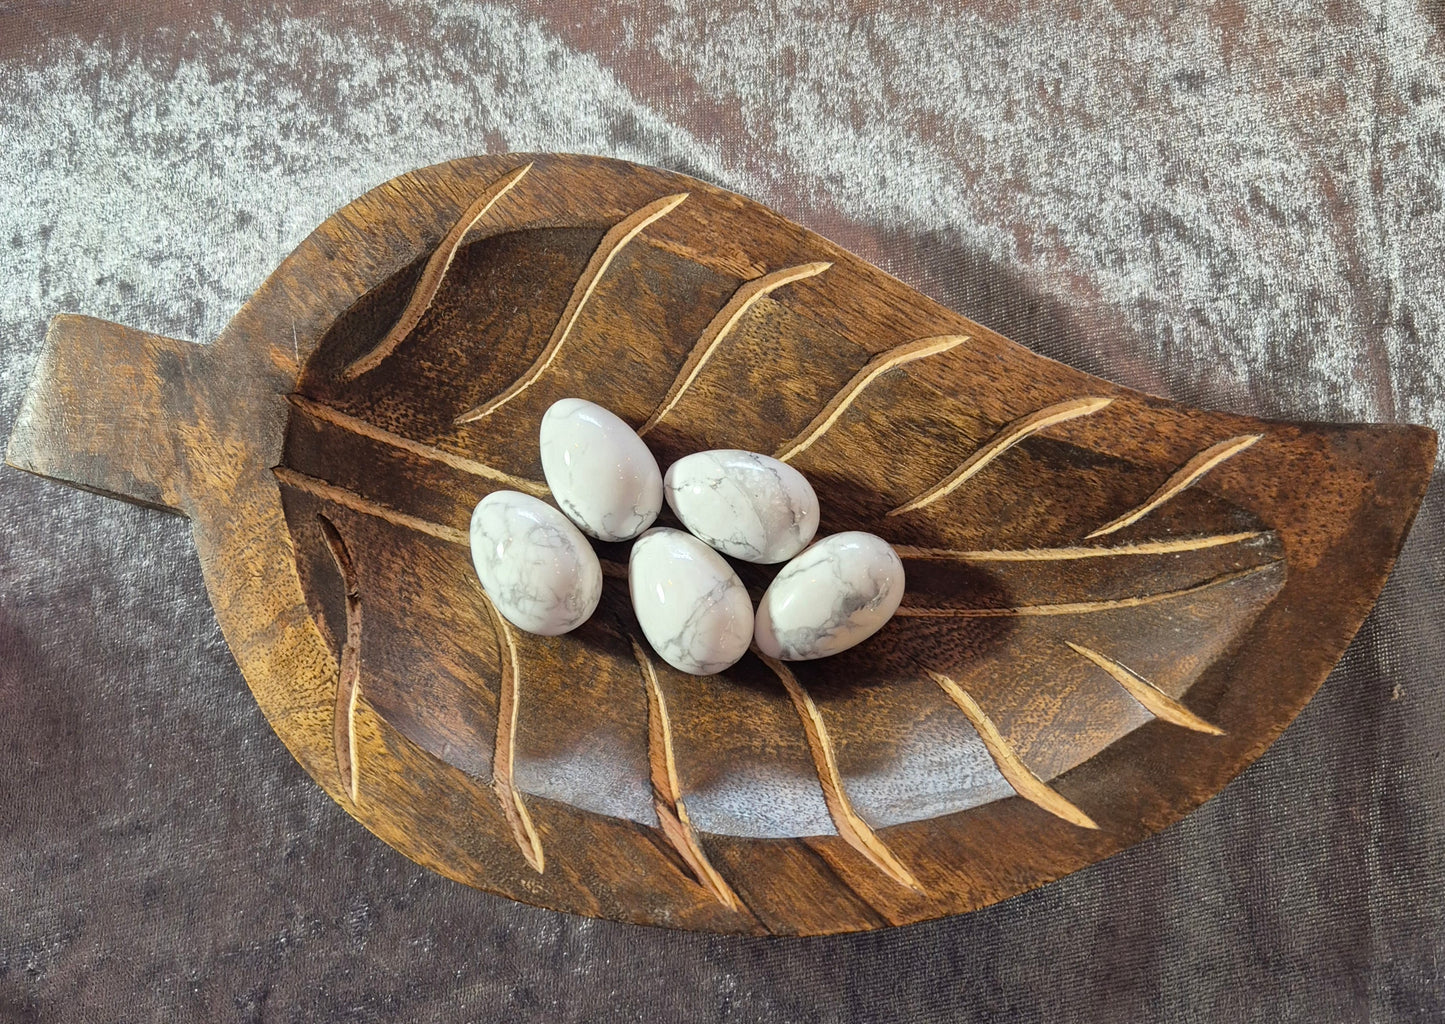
x,y
1114,603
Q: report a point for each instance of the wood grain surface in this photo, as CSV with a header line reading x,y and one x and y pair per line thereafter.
x,y
1114,603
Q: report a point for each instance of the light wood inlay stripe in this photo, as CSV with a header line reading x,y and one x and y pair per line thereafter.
x,y
612,243
471,467
355,502
717,329
667,791
1154,700
1186,476
919,348
351,741
430,282
504,750
1153,547
348,683
852,828
1017,774
1080,607
1001,442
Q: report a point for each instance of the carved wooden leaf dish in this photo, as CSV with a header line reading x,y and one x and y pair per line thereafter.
x,y
1114,602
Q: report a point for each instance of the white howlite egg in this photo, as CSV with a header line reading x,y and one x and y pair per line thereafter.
x,y
746,505
834,595
600,472
537,568
692,607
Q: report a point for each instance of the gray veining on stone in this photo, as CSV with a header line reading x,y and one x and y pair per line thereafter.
x,y
833,596
599,470
749,506
692,607
536,567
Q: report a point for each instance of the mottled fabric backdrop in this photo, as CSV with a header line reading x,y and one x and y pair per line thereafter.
x,y
1236,205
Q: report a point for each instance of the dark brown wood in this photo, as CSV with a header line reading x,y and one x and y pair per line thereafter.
x,y
1115,603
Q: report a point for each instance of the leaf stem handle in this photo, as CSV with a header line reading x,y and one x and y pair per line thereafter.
x,y
107,410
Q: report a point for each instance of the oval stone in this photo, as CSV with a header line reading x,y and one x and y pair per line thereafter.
x,y
746,505
600,472
836,594
692,607
536,567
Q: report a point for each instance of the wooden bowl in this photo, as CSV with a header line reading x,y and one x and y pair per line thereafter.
x,y
1115,603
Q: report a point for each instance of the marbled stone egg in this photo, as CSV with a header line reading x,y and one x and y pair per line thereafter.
x,y
537,568
692,607
836,594
600,472
746,505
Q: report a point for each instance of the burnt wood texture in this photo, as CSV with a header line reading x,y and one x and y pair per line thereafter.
x,y
1114,602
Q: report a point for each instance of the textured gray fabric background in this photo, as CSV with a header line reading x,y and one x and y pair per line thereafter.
x,y
1237,205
